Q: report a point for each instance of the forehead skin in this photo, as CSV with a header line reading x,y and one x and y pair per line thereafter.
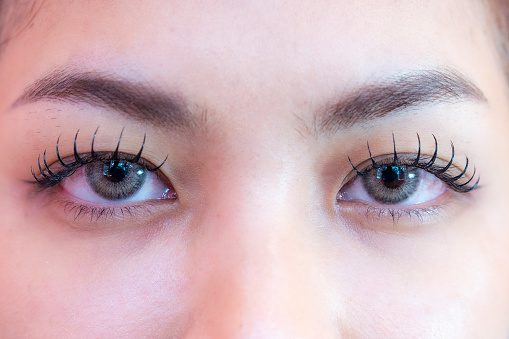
x,y
322,46
260,68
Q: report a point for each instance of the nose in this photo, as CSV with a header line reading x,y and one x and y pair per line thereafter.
x,y
258,272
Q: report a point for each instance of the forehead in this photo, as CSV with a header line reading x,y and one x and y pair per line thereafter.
x,y
242,33
254,54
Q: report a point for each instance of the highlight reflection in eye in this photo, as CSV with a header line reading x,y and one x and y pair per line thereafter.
x,y
405,180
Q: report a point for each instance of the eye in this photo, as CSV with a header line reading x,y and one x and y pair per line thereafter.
x,y
394,185
105,178
116,181
405,181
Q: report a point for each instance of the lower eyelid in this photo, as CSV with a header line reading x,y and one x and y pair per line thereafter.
x,y
87,217
363,216
67,212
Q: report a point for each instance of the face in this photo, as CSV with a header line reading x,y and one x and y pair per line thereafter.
x,y
267,217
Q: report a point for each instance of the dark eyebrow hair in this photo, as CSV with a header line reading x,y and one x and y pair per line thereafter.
x,y
385,98
148,105
136,100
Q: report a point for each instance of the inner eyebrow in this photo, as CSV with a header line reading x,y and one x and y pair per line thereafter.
x,y
388,97
135,100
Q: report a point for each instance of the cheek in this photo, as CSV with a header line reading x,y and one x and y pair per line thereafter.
x,y
443,282
135,298
59,283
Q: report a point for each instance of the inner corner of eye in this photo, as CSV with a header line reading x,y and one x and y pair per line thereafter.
x,y
343,193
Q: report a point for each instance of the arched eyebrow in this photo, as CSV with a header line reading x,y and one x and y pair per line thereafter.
x,y
145,104
136,100
381,99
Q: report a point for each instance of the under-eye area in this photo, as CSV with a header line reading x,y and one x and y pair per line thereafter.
x,y
102,184
412,185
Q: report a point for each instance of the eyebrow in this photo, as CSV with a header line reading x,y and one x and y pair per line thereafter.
x,y
145,104
378,100
135,100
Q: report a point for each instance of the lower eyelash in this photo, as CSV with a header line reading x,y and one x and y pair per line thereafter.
x,y
397,214
381,218
78,211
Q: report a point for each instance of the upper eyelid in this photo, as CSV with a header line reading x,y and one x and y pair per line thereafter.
x,y
54,175
417,161
87,157
92,151
457,180
48,176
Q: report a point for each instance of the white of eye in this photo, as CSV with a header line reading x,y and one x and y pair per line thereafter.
x,y
429,189
78,187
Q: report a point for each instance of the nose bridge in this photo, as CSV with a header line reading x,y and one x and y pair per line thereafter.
x,y
261,273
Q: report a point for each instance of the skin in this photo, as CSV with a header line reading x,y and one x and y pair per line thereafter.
x,y
256,245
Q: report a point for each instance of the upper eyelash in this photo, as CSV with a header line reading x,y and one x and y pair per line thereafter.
x,y
50,178
427,165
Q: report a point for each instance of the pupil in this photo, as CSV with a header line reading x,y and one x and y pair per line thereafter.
x,y
390,177
115,172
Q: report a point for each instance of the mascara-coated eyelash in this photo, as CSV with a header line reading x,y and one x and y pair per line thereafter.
x,y
441,172
48,178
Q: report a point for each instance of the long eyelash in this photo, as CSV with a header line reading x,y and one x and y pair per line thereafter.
x,y
356,170
157,167
428,165
434,157
443,170
46,165
416,161
58,156
138,156
373,162
375,165
115,154
76,154
40,168
48,178
395,160
93,141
